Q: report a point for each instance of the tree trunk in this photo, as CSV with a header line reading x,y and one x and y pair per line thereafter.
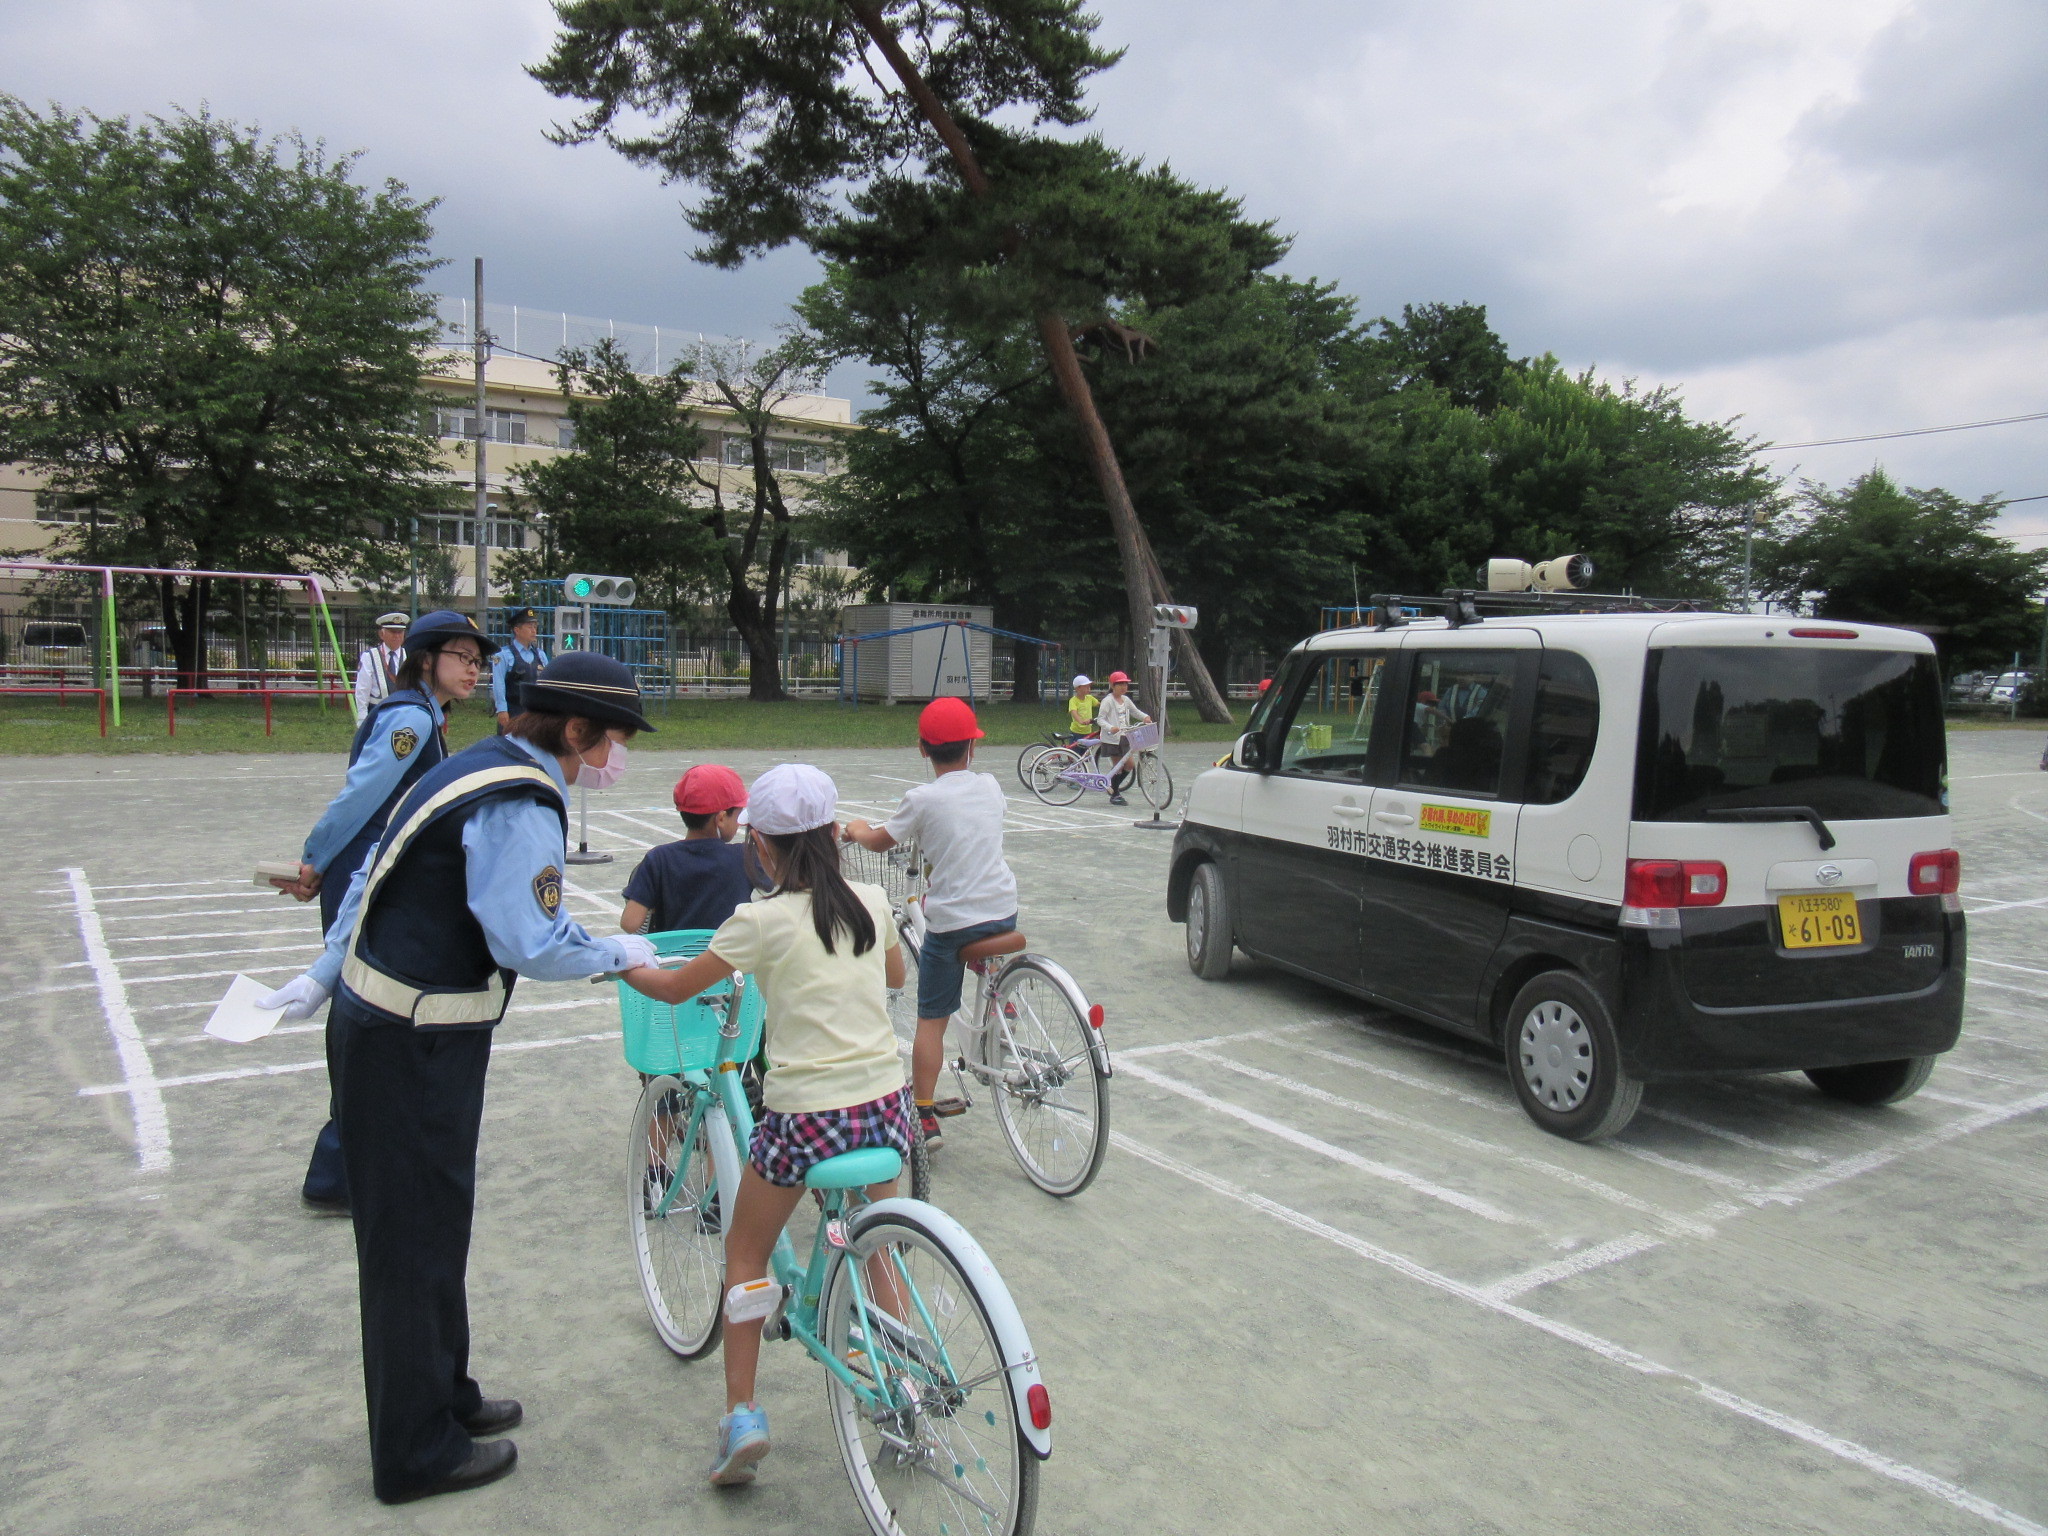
x,y
755,620
1143,585
185,628
1024,673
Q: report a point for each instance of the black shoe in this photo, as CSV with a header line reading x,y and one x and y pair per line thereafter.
x,y
331,1205
486,1464
928,1126
494,1415
1118,800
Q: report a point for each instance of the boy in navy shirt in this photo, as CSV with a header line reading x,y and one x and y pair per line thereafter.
x,y
700,881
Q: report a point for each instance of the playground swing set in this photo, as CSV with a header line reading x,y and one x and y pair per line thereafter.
x,y
106,669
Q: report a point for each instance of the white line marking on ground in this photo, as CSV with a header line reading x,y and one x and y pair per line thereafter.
x,y
179,917
1576,1180
1500,1106
1735,1138
1996,1077
2006,906
605,902
122,901
152,1123
1582,1262
1856,1167
167,885
252,970
211,954
672,833
1171,1046
2007,965
1472,1204
244,933
1743,1187
283,1069
2006,986
1949,1098
1847,1450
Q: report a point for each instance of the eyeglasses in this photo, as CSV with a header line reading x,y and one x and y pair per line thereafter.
x,y
468,659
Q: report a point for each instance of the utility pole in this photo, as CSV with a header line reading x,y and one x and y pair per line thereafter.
x,y
482,553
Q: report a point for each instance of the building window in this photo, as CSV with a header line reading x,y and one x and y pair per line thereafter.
x,y
56,507
499,532
460,421
565,433
786,455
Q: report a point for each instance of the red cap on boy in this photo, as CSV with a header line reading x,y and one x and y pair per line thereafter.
x,y
708,789
945,720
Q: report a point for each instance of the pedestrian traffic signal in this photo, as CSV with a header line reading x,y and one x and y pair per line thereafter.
x,y
572,630
583,587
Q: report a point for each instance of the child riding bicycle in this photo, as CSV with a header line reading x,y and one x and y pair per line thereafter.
x,y
957,821
823,952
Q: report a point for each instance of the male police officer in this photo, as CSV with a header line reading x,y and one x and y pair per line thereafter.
x,y
377,671
516,666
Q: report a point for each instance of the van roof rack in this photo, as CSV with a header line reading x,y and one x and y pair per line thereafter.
x,y
1461,606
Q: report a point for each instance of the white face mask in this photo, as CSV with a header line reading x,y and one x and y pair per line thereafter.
x,y
604,777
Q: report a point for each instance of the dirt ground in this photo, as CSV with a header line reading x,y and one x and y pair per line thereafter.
x,y
1331,1278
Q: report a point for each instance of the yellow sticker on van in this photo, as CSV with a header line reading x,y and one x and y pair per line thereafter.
x,y
1457,820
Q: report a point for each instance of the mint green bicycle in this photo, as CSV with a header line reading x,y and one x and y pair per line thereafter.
x,y
933,1388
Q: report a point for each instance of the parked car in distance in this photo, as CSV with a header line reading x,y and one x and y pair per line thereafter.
x,y
2008,686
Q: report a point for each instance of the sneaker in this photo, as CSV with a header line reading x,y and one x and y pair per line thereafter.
x,y
928,1123
1118,800
742,1441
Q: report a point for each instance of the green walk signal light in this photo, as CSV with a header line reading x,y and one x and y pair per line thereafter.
x,y
572,630
584,587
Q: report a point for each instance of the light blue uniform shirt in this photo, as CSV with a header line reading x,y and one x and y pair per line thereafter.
x,y
371,778
506,843
501,663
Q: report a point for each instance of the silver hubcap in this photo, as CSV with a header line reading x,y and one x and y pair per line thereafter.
x,y
1198,919
1556,1053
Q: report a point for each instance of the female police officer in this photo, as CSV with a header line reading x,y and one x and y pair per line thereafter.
x,y
463,896
401,737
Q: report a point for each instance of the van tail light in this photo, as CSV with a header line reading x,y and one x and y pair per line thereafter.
x,y
1824,634
1654,889
1939,873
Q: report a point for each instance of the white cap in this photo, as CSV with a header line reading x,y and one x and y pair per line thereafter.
x,y
1083,680
792,797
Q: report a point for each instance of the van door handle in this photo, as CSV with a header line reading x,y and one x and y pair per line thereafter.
x,y
1345,808
1394,818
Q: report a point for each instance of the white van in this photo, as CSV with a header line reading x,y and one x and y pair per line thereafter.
x,y
1621,847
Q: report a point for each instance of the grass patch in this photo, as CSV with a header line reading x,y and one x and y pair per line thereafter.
x,y
37,726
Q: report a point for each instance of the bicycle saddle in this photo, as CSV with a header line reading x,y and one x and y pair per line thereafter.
x,y
995,944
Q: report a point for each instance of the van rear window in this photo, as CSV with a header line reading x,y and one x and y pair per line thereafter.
x,y
1856,735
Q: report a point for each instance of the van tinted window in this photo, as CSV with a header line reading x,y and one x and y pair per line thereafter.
x,y
1566,725
1856,735
1457,706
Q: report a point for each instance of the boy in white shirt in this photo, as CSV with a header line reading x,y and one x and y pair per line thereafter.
x,y
957,822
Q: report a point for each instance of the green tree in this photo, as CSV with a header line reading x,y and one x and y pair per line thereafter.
x,y
626,497
1882,553
776,110
217,341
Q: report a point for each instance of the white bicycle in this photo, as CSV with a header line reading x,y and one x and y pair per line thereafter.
x,y
1025,1031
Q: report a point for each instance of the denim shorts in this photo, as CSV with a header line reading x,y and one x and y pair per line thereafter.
x,y
940,968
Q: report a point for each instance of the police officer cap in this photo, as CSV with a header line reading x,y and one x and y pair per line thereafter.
x,y
392,620
523,616
436,629
591,685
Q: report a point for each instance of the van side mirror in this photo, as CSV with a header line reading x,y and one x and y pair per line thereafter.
x,y
1250,751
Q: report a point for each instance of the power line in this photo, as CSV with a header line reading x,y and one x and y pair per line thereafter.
x,y
1878,437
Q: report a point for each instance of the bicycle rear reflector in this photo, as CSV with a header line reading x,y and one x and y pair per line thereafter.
x,y
1041,1406
1095,1015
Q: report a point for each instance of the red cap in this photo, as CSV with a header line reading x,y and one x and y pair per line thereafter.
x,y
945,720
1119,677
1265,683
708,789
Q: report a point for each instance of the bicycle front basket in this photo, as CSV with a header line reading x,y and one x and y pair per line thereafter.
x,y
684,1037
1143,738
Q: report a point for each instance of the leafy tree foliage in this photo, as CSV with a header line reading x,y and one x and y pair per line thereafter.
x,y
1883,553
216,341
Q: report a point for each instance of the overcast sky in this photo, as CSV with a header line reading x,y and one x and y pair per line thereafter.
x,y
1823,216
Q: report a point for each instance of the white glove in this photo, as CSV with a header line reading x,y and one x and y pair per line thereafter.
x,y
639,951
300,998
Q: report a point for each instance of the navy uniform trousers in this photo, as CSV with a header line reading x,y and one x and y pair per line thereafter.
x,y
411,1104
326,1173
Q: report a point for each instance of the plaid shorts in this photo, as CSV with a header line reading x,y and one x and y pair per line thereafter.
x,y
787,1146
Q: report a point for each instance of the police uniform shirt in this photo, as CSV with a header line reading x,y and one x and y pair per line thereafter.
x,y
397,734
510,654
377,674
513,851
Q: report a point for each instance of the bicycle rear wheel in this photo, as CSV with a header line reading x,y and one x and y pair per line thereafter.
x,y
1045,781
1154,782
1027,757
946,1453
1051,1092
675,1212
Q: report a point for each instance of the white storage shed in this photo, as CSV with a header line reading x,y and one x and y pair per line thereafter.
x,y
938,658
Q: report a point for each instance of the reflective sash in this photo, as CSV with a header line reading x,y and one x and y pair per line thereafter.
x,y
428,1005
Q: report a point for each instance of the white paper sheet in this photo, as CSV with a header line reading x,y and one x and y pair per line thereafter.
x,y
237,1018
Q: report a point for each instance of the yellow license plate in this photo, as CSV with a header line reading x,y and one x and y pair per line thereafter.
x,y
1823,920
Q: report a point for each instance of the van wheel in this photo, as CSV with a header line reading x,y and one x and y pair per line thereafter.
x,y
1211,934
1873,1082
1565,1061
